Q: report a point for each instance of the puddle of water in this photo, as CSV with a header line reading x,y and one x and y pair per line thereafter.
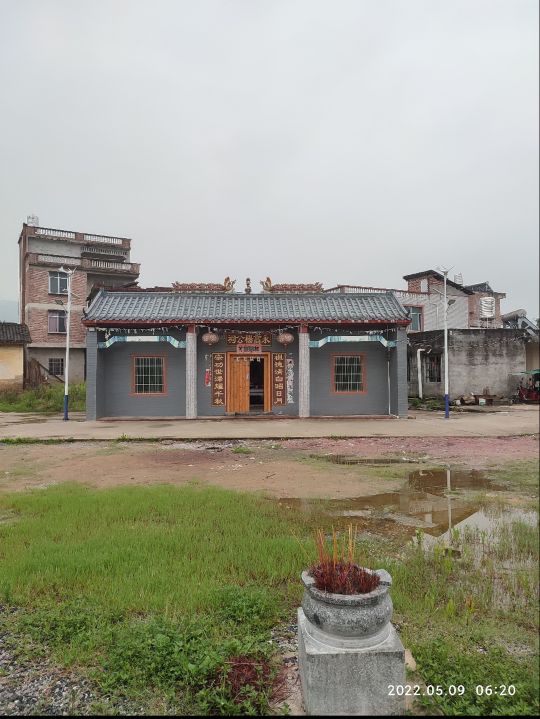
x,y
352,459
444,480
431,500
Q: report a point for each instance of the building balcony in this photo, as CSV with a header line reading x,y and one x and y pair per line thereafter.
x,y
80,237
97,252
88,265
360,289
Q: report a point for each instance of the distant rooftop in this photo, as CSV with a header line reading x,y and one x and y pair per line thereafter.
x,y
12,333
439,276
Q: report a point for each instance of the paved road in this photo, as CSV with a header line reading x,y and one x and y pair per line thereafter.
x,y
514,420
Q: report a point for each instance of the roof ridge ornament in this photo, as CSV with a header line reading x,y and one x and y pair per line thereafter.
x,y
227,286
312,287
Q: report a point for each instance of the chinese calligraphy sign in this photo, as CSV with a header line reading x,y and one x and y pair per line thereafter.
x,y
218,379
279,394
248,338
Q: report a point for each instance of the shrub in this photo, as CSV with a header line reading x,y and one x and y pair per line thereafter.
x,y
48,398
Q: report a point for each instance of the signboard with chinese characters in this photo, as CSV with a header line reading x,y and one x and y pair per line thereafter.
x,y
218,379
249,349
279,394
249,338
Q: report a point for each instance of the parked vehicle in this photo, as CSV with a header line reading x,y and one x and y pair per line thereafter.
x,y
528,389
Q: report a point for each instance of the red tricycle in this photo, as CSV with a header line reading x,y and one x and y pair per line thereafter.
x,y
529,387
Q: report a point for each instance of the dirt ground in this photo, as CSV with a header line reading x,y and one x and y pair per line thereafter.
x,y
279,469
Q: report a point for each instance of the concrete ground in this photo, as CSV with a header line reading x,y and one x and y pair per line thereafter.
x,y
505,422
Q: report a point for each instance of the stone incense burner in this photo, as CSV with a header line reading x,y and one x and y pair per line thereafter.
x,y
363,618
348,651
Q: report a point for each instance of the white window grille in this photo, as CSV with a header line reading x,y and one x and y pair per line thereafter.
x,y
348,373
149,375
58,283
57,322
56,366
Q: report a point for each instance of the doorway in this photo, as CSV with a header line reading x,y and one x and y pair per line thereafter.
x,y
248,383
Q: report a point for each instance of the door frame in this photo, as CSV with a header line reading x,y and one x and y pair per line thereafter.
x,y
267,356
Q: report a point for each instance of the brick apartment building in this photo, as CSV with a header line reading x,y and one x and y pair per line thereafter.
x,y
471,307
96,259
483,305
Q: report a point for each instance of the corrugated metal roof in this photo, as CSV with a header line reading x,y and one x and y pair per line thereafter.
x,y
183,307
12,333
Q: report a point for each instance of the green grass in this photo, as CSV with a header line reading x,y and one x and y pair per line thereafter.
x,y
521,474
46,399
242,450
150,590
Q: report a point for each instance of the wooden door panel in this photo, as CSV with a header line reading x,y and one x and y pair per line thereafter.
x,y
238,385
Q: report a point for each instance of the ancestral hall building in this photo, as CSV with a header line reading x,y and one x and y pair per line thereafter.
x,y
170,353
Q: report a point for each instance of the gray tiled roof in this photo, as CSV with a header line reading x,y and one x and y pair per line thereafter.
x,y
12,333
183,307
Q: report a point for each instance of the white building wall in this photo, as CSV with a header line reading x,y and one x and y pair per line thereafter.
x,y
432,307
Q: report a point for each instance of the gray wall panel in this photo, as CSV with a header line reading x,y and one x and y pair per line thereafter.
x,y
326,402
118,400
398,374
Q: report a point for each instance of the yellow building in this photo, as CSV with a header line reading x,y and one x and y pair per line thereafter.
x,y
13,339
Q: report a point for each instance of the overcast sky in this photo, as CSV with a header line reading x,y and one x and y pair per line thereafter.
x,y
341,141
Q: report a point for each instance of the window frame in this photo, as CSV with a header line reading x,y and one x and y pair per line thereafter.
x,y
56,359
420,315
362,357
50,313
57,273
134,393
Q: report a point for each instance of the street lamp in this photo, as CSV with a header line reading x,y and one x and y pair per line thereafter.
x,y
446,305
69,274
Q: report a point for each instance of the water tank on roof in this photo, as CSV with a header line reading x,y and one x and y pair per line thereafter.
x,y
487,308
32,220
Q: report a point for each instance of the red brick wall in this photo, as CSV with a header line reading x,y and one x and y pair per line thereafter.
x,y
38,324
474,309
37,286
37,292
414,285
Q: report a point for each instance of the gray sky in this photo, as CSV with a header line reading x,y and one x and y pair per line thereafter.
x,y
344,141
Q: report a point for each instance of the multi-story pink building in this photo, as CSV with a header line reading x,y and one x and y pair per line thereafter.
x,y
95,259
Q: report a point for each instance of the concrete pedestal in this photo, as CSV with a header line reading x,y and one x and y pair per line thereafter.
x,y
344,676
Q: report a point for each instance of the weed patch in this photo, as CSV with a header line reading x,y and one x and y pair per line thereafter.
x,y
46,399
242,450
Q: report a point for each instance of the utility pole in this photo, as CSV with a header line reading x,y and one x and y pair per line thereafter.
x,y
445,310
69,274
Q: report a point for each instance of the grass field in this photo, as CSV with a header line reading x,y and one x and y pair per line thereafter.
x,y
151,590
47,399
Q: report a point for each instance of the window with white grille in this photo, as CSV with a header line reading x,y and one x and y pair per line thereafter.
x,y
415,313
348,373
56,366
149,376
57,322
58,283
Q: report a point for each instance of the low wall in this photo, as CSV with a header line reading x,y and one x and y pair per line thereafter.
x,y
477,358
